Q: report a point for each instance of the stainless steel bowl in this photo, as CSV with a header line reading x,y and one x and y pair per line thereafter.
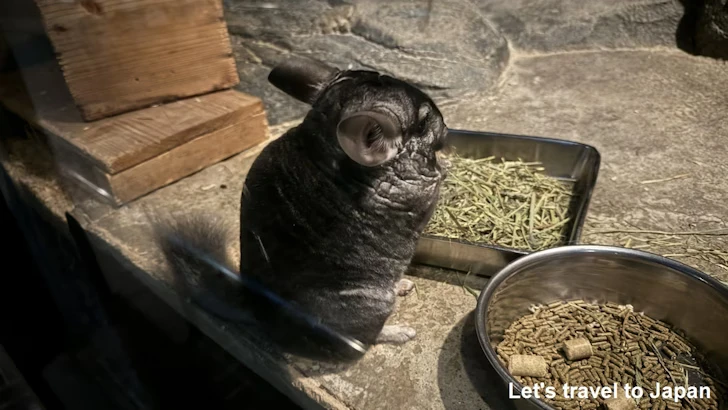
x,y
662,288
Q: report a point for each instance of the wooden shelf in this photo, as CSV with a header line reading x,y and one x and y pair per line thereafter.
x,y
131,154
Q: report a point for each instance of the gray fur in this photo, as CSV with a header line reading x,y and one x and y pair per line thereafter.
x,y
185,243
331,235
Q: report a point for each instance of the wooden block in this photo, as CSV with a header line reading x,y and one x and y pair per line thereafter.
x,y
129,155
121,55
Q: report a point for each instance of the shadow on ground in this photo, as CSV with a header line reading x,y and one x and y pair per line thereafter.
x,y
481,376
703,28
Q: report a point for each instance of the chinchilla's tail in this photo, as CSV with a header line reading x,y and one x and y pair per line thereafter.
x,y
195,249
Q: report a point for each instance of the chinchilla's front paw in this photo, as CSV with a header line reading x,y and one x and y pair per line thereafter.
x,y
404,287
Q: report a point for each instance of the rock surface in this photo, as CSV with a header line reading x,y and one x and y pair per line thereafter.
x,y
559,25
455,48
448,51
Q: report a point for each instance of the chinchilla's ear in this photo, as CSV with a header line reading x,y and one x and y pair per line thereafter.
x,y
369,138
301,77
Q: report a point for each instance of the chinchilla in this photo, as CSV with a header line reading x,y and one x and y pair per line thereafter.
x,y
330,212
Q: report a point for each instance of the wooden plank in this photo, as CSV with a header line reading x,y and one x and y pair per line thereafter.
x,y
124,157
187,159
164,169
117,143
121,55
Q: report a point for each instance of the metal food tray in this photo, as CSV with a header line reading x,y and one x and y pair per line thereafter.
x,y
561,159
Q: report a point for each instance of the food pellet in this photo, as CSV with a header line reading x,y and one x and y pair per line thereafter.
x,y
620,403
527,365
591,345
577,349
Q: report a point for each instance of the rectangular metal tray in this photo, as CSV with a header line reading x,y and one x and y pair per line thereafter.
x,y
560,158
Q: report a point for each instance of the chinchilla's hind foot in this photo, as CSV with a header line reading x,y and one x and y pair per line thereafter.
x,y
396,335
404,287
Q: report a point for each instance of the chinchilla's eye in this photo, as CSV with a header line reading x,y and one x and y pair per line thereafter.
x,y
423,117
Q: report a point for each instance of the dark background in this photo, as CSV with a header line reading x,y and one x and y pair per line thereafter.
x,y
79,347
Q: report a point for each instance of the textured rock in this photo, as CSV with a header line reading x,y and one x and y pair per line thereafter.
x,y
711,35
253,74
452,48
447,51
558,25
